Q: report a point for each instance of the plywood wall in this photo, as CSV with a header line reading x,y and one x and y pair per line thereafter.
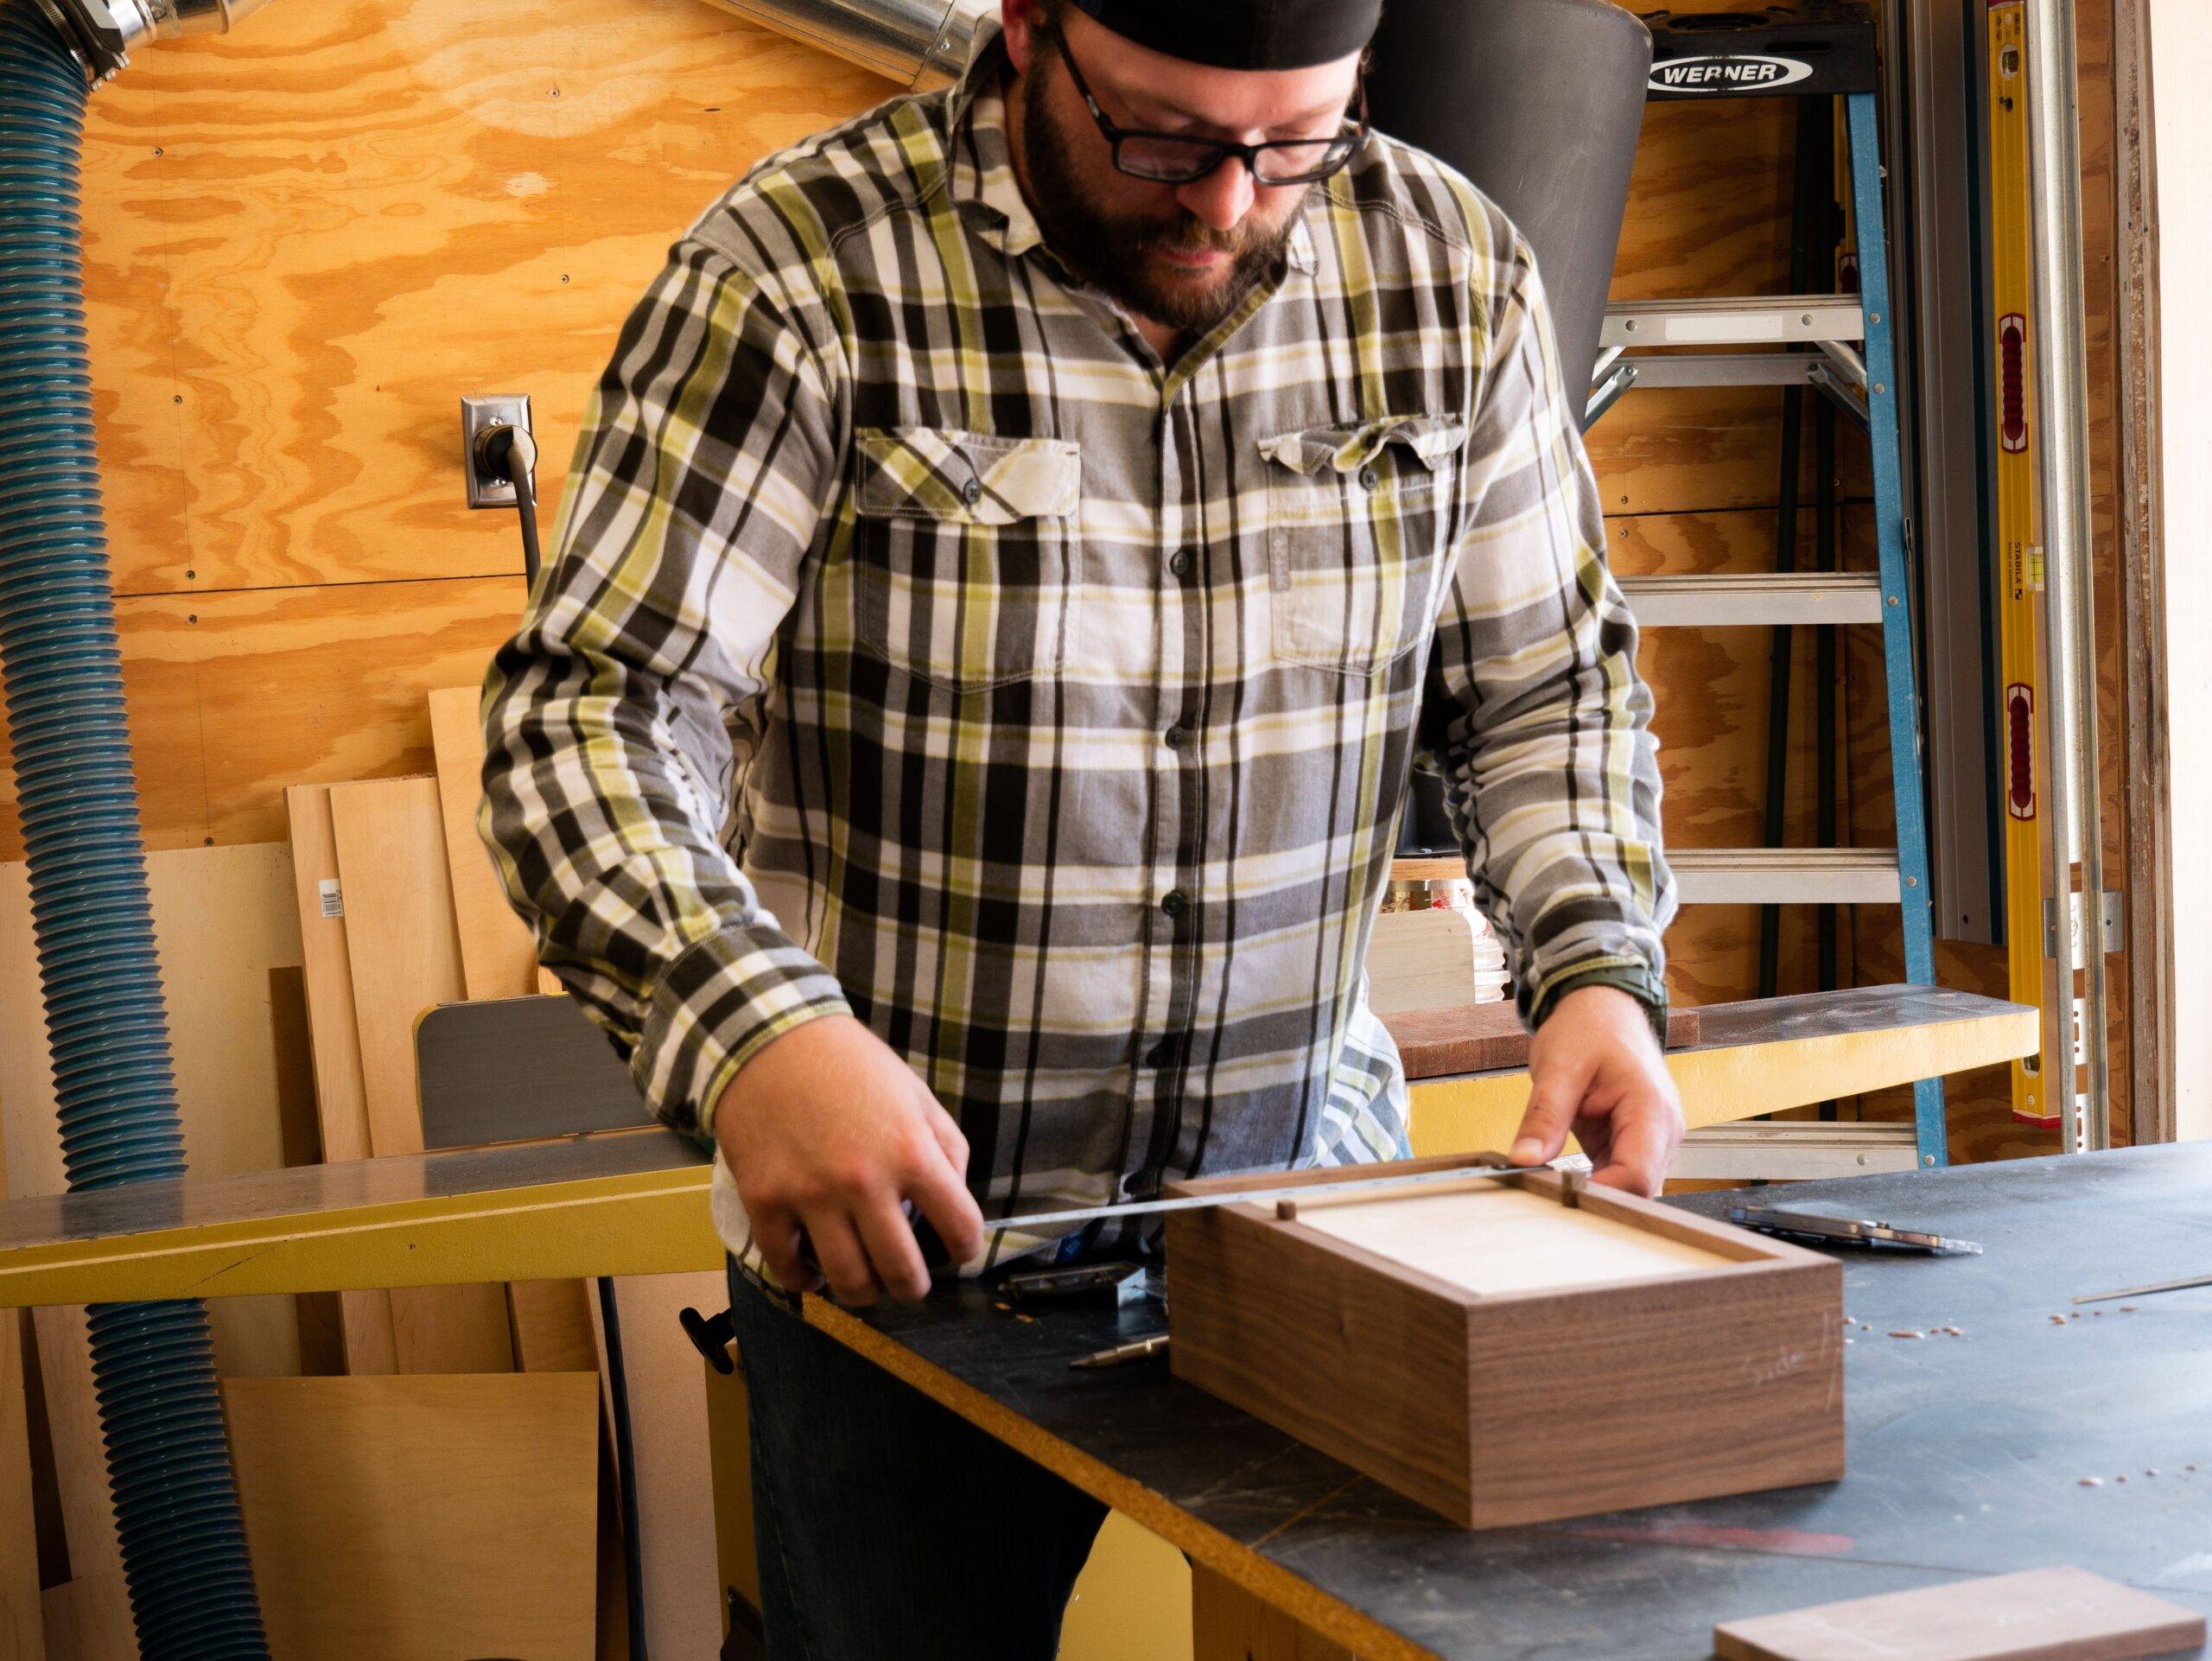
x,y
306,242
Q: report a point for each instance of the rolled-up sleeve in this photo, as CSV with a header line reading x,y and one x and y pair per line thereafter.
x,y
708,448
1552,777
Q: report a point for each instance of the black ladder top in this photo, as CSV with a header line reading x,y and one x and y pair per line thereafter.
x,y
1822,50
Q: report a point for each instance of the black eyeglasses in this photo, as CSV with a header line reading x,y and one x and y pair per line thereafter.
x,y
1176,159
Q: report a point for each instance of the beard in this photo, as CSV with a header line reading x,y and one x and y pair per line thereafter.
x,y
1114,251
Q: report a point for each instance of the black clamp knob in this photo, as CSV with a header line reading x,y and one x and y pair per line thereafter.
x,y
711,1338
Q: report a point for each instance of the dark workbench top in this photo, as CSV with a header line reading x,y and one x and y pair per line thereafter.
x,y
1966,1453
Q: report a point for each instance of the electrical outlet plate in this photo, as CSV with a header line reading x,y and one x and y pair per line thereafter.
x,y
479,415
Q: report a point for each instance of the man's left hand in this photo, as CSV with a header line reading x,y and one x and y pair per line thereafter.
x,y
1595,1069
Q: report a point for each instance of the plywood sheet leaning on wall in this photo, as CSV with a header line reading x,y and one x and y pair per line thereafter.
x,y
341,1104
665,1382
89,1618
401,947
498,959
227,924
552,1325
418,1519
228,935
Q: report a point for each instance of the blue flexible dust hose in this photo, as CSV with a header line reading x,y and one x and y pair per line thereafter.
x,y
176,1509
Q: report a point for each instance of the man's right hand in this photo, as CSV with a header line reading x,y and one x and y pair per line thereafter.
x,y
827,1130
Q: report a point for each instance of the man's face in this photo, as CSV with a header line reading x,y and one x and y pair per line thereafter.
x,y
1181,255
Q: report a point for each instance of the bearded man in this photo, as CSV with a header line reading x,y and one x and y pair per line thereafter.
x,y
957,748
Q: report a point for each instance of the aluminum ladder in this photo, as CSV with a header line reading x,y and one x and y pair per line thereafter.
x,y
1841,346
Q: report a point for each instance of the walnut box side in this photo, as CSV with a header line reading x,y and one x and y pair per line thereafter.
x,y
1517,1407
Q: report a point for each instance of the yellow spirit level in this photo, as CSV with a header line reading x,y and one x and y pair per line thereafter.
x,y
2040,1084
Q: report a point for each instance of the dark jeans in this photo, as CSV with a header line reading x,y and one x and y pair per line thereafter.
x,y
886,1525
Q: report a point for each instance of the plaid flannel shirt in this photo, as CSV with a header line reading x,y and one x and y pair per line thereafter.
x,y
919,643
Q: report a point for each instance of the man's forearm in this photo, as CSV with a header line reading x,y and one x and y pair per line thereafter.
x,y
1637,981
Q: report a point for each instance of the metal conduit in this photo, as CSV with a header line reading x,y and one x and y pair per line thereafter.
x,y
920,44
2075,836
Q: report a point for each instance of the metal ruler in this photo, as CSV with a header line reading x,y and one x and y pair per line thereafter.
x,y
1032,1220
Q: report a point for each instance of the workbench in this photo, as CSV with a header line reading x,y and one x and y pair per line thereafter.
x,y
1968,1454
1294,1555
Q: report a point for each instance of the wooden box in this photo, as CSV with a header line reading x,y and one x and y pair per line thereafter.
x,y
1502,1357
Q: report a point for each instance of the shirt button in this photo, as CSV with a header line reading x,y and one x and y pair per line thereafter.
x,y
1177,738
1179,562
1175,902
1369,478
972,492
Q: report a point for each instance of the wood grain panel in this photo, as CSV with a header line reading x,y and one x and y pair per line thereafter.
x,y
307,240
1682,449
88,1618
2041,1614
400,946
1708,209
497,958
418,1519
233,697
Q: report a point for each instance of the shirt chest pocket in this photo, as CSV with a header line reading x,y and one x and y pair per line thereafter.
x,y
964,553
1359,521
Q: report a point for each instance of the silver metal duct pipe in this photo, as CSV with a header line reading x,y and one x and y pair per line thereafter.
x,y
920,44
100,33
2074,836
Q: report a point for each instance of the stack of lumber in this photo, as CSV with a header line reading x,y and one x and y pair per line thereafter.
x,y
1440,958
229,945
246,1049
1410,963
400,909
